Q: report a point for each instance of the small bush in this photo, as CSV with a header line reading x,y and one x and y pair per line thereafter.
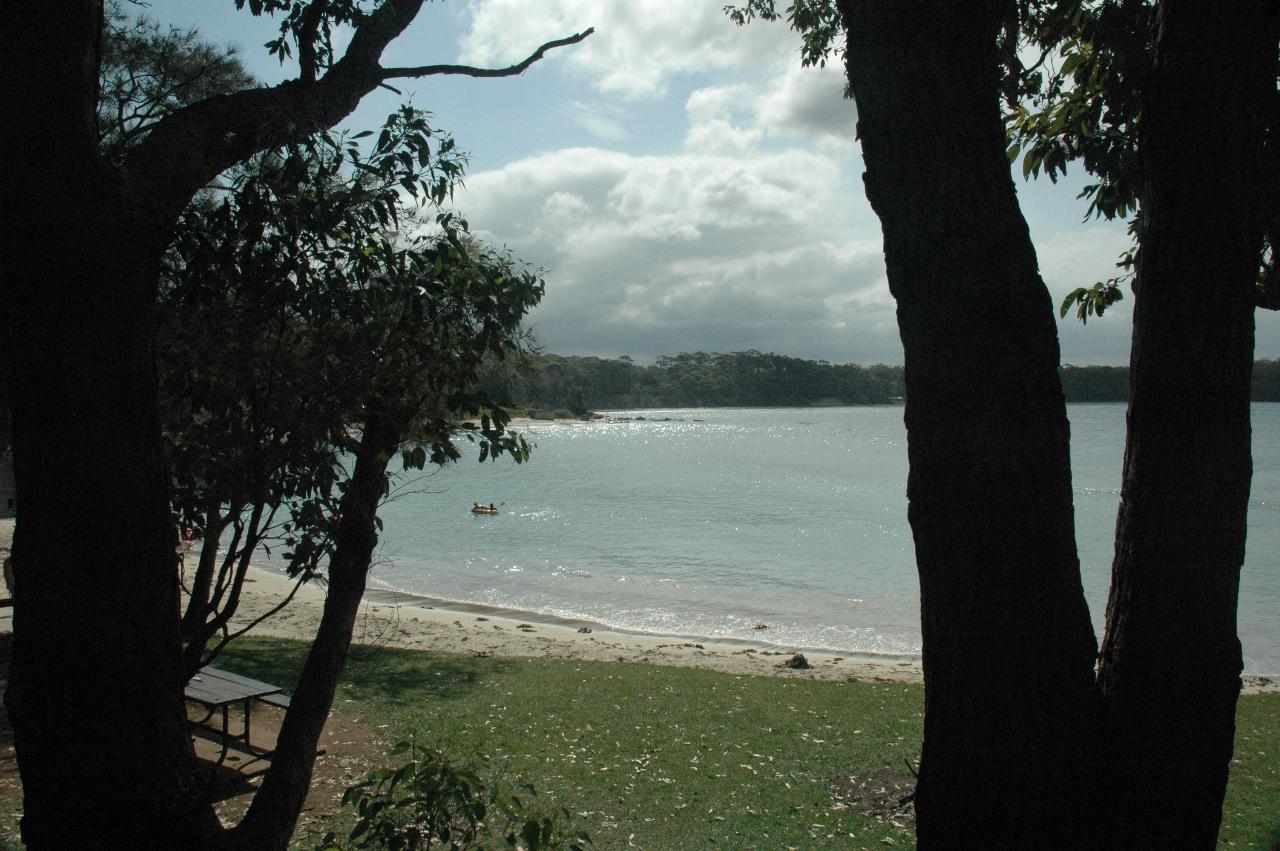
x,y
433,801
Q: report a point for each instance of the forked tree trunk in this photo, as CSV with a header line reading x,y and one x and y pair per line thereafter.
x,y
271,818
1011,708
1170,669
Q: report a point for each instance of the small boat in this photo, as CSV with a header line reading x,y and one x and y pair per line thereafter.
x,y
483,509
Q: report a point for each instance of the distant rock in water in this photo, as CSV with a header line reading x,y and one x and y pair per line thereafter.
x,y
798,662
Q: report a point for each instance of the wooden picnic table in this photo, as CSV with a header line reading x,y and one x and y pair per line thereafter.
x,y
217,691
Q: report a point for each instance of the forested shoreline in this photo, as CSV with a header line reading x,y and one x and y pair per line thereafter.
x,y
548,382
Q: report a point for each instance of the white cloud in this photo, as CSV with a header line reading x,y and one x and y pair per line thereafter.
x,y
1078,258
602,120
809,102
794,106
754,233
716,102
637,46
659,254
712,113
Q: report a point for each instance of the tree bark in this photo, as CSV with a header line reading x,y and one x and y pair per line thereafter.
x,y
1011,708
270,821
1171,661
95,693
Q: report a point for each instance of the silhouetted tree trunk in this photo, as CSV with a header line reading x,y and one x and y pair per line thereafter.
x,y
270,821
1170,668
1011,708
95,693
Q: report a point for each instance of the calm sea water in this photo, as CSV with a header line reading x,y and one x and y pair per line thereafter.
x,y
705,522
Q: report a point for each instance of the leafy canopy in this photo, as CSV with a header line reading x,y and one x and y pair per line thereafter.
x,y
299,300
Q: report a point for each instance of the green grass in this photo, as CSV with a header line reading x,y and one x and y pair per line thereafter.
x,y
681,758
660,757
1251,811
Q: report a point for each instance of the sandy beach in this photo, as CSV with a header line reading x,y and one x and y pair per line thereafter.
x,y
396,620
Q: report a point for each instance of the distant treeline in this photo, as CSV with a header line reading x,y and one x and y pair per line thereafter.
x,y
749,379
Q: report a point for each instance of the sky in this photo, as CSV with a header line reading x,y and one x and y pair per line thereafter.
x,y
682,182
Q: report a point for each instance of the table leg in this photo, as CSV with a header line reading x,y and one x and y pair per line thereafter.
x,y
248,715
226,732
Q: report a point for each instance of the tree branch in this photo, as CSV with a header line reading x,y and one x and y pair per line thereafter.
x,y
307,32
190,147
211,655
469,71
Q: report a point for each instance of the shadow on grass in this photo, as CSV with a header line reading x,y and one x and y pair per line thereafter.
x,y
370,672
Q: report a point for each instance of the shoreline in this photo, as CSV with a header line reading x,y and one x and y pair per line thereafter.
x,y
410,599
410,621
399,619
405,620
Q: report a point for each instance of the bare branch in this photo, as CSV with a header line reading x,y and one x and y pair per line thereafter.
x,y
469,71
307,39
228,636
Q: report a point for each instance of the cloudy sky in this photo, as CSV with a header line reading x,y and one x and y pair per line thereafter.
x,y
683,182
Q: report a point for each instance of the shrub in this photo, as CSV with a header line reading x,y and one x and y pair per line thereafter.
x,y
433,801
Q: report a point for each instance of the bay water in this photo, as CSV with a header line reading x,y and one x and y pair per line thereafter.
x,y
707,522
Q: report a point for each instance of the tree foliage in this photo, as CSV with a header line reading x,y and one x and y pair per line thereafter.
x,y
1081,102
548,382
150,71
688,380
293,301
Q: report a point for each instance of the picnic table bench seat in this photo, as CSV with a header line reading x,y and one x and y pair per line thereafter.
x,y
280,701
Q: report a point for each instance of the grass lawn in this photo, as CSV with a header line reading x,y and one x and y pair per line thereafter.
x,y
679,758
